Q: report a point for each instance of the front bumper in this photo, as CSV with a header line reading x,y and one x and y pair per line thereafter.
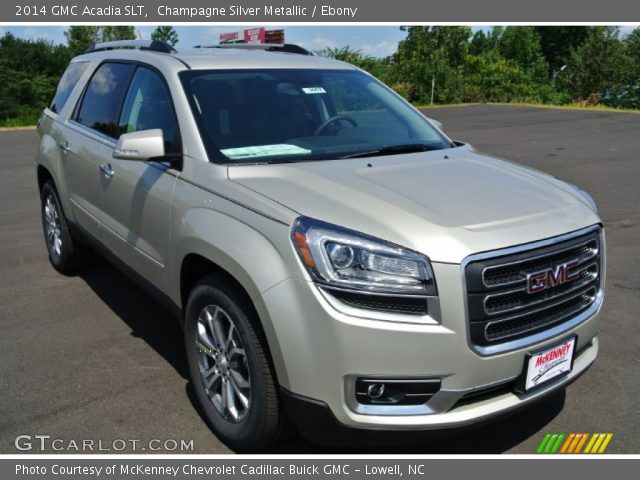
x,y
318,352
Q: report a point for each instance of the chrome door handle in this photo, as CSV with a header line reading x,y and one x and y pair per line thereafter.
x,y
64,146
106,169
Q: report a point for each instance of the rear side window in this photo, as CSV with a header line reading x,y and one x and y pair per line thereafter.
x,y
148,106
103,97
69,80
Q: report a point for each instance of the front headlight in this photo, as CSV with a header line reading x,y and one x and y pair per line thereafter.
x,y
338,257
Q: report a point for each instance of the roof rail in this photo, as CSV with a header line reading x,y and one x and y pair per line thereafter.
x,y
267,47
152,45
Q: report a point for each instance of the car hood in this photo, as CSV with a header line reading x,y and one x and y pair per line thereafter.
x,y
446,204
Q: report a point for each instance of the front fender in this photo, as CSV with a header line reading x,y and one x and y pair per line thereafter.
x,y
258,255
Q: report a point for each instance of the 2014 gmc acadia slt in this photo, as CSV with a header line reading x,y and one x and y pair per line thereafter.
x,y
338,263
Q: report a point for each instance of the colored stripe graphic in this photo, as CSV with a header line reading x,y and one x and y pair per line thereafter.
x,y
555,447
543,443
598,443
605,443
592,441
567,443
582,440
550,443
573,443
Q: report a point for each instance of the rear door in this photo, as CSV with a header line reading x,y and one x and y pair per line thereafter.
x,y
136,198
86,134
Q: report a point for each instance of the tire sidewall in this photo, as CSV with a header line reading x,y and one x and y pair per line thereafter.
x,y
243,433
65,248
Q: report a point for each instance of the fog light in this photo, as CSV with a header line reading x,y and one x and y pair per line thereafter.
x,y
375,390
396,391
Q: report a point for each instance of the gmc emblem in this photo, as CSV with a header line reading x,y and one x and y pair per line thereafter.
x,y
552,277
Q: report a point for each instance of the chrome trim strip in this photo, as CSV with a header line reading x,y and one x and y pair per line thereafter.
x,y
533,312
90,132
440,402
328,286
545,335
525,342
433,316
593,276
594,253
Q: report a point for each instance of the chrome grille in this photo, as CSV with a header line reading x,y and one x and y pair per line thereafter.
x,y
500,307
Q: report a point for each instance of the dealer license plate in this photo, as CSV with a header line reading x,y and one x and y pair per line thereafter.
x,y
550,363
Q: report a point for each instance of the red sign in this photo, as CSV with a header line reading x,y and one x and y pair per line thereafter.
x,y
229,36
254,35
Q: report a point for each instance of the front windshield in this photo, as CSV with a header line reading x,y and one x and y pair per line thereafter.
x,y
282,115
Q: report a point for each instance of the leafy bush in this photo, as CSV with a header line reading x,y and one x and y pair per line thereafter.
x,y
499,81
29,73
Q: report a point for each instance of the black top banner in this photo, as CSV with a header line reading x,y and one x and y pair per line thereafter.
x,y
349,11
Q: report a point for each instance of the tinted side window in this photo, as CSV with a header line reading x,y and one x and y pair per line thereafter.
x,y
148,106
69,80
103,97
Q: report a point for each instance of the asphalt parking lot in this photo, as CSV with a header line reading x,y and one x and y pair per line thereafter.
x,y
93,357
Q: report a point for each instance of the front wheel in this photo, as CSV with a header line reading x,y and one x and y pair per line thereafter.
x,y
230,368
66,255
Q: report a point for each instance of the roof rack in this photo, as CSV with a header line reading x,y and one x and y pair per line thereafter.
x,y
267,47
152,45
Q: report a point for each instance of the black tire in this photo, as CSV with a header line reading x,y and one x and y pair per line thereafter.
x,y
264,423
70,256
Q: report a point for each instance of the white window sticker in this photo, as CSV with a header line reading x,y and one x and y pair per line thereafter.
x,y
264,151
313,90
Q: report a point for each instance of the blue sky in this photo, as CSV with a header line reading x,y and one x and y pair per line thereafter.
x,y
378,41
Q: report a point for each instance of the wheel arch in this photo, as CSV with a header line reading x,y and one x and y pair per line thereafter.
x,y
197,264
43,174
195,267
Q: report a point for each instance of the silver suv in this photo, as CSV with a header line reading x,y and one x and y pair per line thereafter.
x,y
338,263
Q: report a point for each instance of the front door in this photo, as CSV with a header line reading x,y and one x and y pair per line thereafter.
x,y
83,141
136,196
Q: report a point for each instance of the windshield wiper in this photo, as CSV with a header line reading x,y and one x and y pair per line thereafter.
x,y
394,150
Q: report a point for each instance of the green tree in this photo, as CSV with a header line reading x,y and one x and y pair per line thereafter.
x,y
29,72
522,45
632,49
600,63
498,80
120,32
557,43
375,66
432,54
80,37
479,43
165,33
486,44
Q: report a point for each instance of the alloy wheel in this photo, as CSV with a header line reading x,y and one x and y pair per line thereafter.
x,y
222,362
52,226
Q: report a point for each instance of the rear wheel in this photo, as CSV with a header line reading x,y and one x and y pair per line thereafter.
x,y
230,368
65,254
